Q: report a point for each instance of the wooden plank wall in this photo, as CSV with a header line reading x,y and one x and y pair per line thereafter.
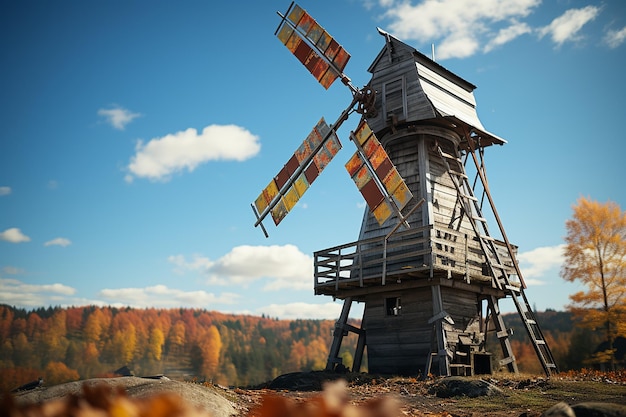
x,y
400,345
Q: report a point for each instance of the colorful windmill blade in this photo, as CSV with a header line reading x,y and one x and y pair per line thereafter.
x,y
307,162
312,45
376,177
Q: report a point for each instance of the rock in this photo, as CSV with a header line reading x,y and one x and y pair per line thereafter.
x,y
193,394
591,409
559,410
599,410
460,386
303,381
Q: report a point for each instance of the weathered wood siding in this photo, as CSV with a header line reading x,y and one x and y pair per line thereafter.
x,y
400,345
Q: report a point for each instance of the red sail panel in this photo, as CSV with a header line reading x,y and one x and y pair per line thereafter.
x,y
311,172
282,177
331,51
303,51
384,168
305,22
372,194
292,165
320,69
341,59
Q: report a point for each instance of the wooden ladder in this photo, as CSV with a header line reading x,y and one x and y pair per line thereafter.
x,y
501,277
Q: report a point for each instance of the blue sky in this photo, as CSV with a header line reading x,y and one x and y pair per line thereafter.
x,y
136,134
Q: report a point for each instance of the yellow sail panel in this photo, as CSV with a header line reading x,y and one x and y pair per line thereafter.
x,y
285,33
329,78
279,212
296,14
301,184
291,198
382,212
401,195
266,196
363,132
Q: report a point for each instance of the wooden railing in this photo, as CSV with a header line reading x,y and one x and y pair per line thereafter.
x,y
422,250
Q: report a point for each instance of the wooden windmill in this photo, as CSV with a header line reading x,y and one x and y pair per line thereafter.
x,y
426,265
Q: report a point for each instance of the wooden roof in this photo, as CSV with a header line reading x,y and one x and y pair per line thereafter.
x,y
450,96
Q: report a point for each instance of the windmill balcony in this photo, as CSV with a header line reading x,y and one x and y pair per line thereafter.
x,y
415,254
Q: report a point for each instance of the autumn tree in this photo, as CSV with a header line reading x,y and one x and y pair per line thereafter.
x,y
58,373
210,345
595,256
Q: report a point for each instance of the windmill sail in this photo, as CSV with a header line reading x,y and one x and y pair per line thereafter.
x,y
312,45
304,166
375,176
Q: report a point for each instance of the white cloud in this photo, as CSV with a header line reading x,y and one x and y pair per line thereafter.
x,y
615,38
14,235
282,267
12,270
118,117
161,296
567,26
4,190
18,293
302,311
537,262
161,157
507,34
59,241
458,26
198,263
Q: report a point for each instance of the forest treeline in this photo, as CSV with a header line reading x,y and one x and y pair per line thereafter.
x,y
65,344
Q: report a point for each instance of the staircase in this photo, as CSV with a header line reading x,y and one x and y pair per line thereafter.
x,y
502,277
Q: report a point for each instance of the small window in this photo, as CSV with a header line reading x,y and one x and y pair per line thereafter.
x,y
395,99
393,306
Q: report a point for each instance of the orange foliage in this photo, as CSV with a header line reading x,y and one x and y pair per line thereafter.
x,y
93,341
58,373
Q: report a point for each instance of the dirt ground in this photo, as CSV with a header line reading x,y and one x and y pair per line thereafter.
x,y
320,394
511,395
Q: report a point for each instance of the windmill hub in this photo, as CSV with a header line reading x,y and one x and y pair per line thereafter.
x,y
366,99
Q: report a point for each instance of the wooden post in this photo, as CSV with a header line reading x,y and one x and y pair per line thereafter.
x,y
333,355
